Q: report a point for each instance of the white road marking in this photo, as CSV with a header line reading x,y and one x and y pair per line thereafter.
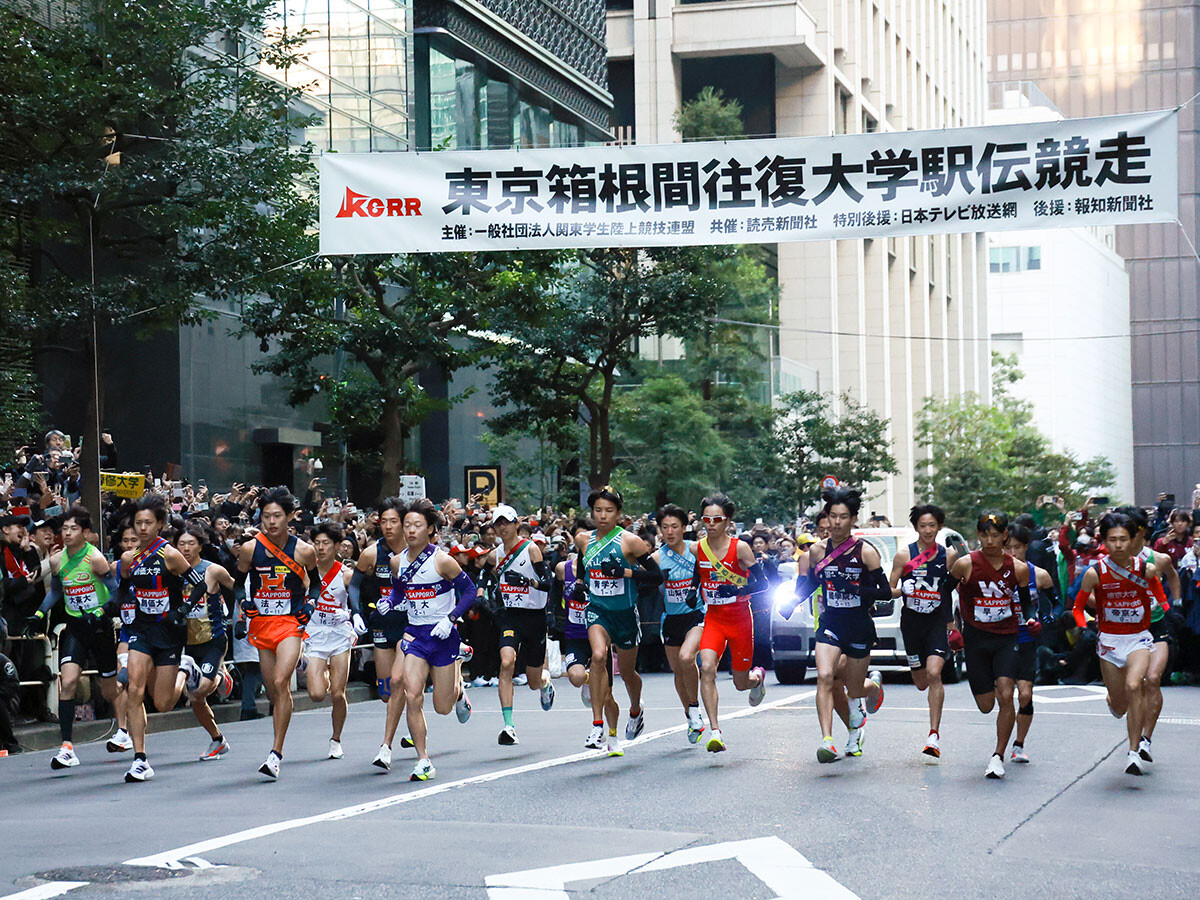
x,y
169,857
1172,720
782,868
44,891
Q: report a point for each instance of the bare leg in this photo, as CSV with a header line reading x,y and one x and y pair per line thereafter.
x,y
318,678
1006,715
627,660
1024,700
200,708
277,670
1159,656
937,690
416,670
708,685
827,658
598,670
395,704
141,667
339,674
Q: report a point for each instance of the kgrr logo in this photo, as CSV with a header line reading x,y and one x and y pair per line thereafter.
x,y
364,205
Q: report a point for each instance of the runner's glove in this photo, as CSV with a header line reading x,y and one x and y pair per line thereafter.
x,y
612,568
240,630
177,618
692,599
304,614
360,627
579,592
728,590
36,624
250,608
1034,627
516,579
442,629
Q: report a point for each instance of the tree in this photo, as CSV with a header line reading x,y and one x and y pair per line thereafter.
x,y
991,456
670,448
144,164
709,116
394,317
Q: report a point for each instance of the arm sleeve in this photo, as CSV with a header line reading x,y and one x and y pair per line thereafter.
x,y
56,592
355,590
1160,595
876,587
759,583
1081,601
545,576
946,589
314,584
648,571
1027,609
466,590
806,584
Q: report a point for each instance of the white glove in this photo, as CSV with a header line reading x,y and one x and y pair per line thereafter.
x,y
360,627
442,629
908,587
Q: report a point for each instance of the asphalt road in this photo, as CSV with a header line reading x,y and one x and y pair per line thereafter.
x,y
668,819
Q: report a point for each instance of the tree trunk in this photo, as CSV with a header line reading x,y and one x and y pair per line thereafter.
x,y
89,463
393,446
602,429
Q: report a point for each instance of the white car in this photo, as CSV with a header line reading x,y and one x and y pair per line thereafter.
x,y
793,642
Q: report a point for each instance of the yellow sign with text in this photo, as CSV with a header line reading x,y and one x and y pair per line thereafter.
x,y
485,481
123,484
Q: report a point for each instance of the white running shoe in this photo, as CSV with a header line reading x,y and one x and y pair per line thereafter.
x,y
614,746
466,652
188,667
595,738
933,747
462,708
858,714
635,725
406,742
695,729
585,694
995,767
216,749
508,736
119,742
1018,754
877,677
855,740
547,695
335,749
759,690
479,681
65,758
383,759
521,679
270,766
827,751
422,771
1144,749
1134,764
139,771
716,741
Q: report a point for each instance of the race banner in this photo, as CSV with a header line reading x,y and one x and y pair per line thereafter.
x,y
123,484
1072,172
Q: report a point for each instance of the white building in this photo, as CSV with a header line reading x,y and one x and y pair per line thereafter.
x,y
909,313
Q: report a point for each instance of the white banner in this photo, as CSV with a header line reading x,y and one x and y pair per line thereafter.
x,y
1110,170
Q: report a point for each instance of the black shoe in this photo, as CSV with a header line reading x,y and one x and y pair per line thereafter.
x,y
249,715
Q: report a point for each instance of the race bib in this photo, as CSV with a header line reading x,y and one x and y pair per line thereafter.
x,y
518,597
602,585
990,614
273,597
677,591
154,601
841,600
1124,615
128,613
80,597
577,612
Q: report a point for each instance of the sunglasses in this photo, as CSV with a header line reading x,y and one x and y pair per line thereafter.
x,y
712,520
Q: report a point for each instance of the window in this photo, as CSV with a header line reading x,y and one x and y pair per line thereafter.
x,y
1014,259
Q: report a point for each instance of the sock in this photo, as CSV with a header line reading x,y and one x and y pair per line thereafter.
x,y
598,722
632,714
219,737
506,711
1018,744
141,756
66,718
933,731
612,732
277,754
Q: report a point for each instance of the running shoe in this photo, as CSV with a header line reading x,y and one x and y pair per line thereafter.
x,y
1144,749
119,742
383,759
462,708
716,742
1018,754
139,771
65,758
585,694
1134,764
933,746
827,752
547,695
635,725
695,728
614,746
479,681
335,749
858,714
876,676
270,766
595,738
465,652
422,771
521,679
995,767
759,690
224,685
188,667
855,740
406,742
508,736
216,749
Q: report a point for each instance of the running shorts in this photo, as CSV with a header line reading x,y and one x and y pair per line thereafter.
x,y
325,642
989,657
730,624
853,634
161,642
208,656
89,641
525,631
387,629
623,627
268,632
418,641
576,652
1115,648
1027,661
924,636
1160,631
675,628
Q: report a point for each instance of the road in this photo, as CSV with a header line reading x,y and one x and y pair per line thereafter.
x,y
667,820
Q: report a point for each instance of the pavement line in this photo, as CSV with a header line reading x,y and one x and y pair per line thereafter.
x,y
44,891
207,846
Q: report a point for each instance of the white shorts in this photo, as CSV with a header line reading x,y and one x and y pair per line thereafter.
x,y
324,643
1115,648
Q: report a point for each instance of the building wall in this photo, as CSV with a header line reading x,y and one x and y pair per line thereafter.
x,y
912,310
1102,57
1043,285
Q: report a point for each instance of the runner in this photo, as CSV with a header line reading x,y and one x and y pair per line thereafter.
x,y
993,598
683,614
387,618
331,632
851,579
926,618
729,577
155,573
428,580
614,559
120,742
82,578
1120,588
1040,584
284,587
522,579
576,651
202,667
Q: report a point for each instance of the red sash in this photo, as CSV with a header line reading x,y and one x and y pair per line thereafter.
x,y
848,544
281,556
922,558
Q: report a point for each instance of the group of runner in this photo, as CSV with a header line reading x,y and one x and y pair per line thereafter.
x,y
289,597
